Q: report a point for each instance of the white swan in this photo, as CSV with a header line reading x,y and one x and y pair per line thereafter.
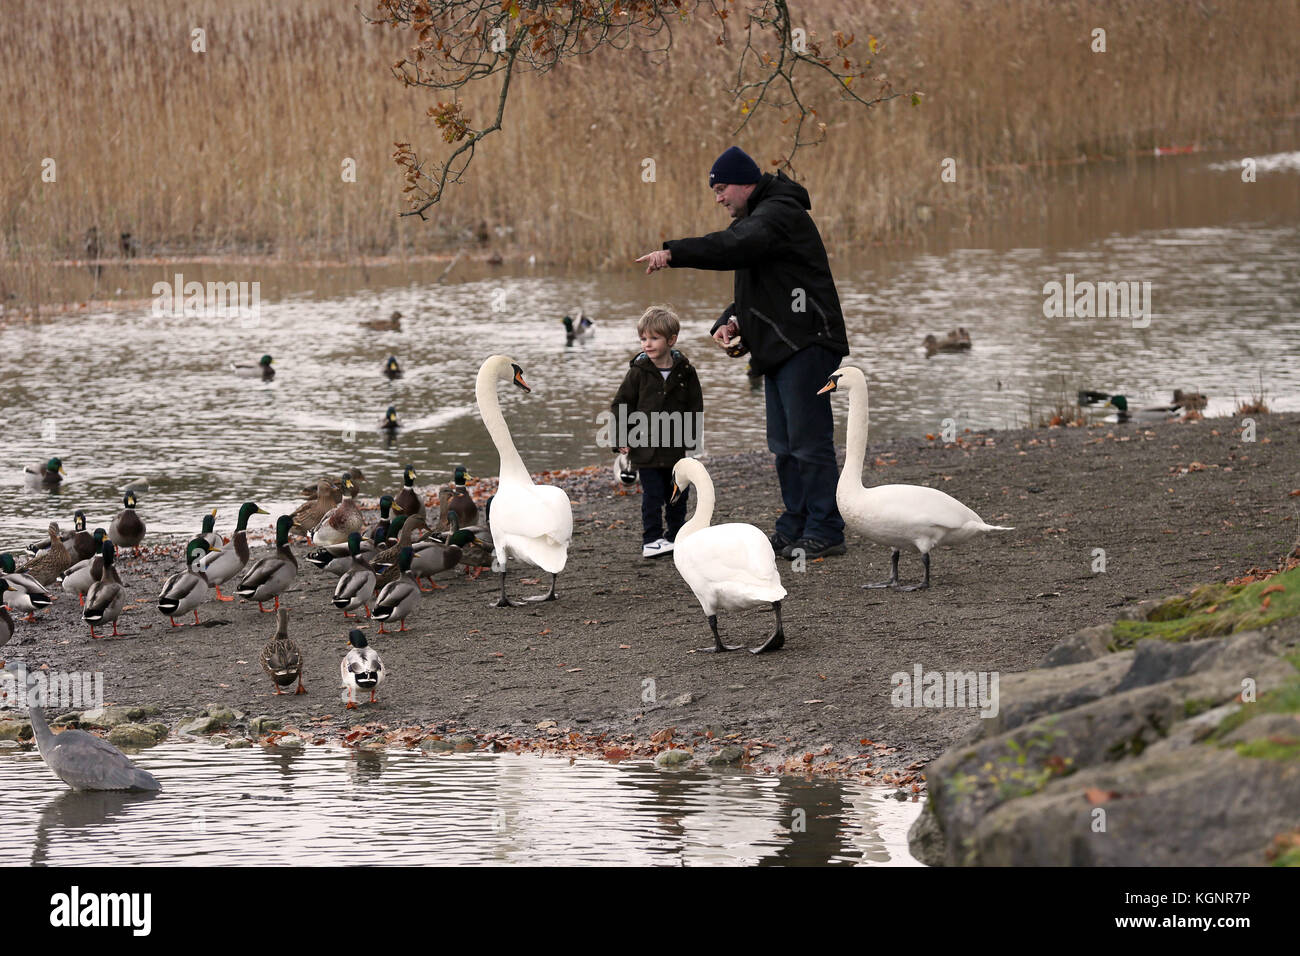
x,y
900,516
533,523
728,566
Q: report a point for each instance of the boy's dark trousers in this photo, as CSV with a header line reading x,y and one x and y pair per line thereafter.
x,y
656,486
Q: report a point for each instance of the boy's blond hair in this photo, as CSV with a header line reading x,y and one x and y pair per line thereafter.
x,y
659,320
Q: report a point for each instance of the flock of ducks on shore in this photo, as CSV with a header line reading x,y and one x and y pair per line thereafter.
x,y
727,567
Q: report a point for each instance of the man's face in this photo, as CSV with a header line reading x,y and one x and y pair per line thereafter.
x,y
734,197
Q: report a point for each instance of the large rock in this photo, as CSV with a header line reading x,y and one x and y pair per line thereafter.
x,y
132,735
15,728
1140,734
109,717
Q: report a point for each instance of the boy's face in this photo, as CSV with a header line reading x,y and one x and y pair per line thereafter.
x,y
656,346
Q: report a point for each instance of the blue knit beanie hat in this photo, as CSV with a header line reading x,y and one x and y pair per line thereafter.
x,y
734,167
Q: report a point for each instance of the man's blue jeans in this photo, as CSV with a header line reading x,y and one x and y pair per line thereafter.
x,y
801,433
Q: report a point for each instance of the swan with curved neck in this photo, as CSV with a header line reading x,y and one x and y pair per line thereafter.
x,y
899,516
728,566
533,523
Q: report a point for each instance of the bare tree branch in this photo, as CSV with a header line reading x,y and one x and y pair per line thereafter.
x,y
462,43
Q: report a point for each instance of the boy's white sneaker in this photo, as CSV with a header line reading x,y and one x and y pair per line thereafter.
x,y
656,548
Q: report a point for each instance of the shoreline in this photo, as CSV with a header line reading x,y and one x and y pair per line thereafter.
x,y
1173,505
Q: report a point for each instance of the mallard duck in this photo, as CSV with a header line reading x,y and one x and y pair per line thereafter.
x,y
385,517
357,584
956,341
6,622
268,577
26,594
104,600
356,474
214,540
726,566
398,598
262,369
69,538
624,474
282,657
78,578
533,523
341,520
47,476
337,558
222,565
900,516
137,485
308,516
405,528
47,566
433,556
406,501
391,369
455,496
391,324
185,590
475,545
390,423
1146,413
82,545
1192,401
1123,413
361,668
126,530
581,329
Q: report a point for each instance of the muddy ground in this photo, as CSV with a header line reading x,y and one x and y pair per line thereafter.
x,y
1172,505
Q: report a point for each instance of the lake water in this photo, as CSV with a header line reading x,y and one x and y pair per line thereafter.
x,y
131,394
327,805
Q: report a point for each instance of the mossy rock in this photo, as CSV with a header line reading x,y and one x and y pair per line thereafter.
x,y
1214,610
132,735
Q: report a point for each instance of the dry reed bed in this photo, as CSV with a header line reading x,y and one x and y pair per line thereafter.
x,y
239,149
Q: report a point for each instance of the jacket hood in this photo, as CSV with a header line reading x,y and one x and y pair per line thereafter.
x,y
643,360
778,184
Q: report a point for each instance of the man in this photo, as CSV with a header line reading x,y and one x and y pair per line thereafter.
x,y
787,313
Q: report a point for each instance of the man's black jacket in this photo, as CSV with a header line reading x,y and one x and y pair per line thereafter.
x,y
785,298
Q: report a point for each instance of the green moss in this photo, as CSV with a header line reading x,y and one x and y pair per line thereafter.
x,y
1290,858
1235,608
1270,748
1280,700
1198,705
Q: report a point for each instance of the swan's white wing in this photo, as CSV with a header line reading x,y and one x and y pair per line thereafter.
x,y
535,523
729,565
909,516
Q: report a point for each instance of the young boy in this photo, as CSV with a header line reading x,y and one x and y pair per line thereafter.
x,y
661,384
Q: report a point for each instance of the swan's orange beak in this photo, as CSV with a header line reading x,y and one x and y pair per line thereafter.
x,y
828,387
675,493
519,379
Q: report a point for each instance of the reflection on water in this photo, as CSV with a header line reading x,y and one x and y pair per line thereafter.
x,y
123,395
325,805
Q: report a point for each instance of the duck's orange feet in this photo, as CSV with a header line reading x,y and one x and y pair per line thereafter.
x,y
352,705
196,615
372,697
220,596
301,689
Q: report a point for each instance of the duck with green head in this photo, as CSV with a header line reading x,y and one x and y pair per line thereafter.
x,y
1145,413
126,530
390,423
214,539
69,538
398,598
361,668
407,501
221,565
262,369
26,594
268,577
357,584
456,497
185,590
47,476
391,369
106,597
